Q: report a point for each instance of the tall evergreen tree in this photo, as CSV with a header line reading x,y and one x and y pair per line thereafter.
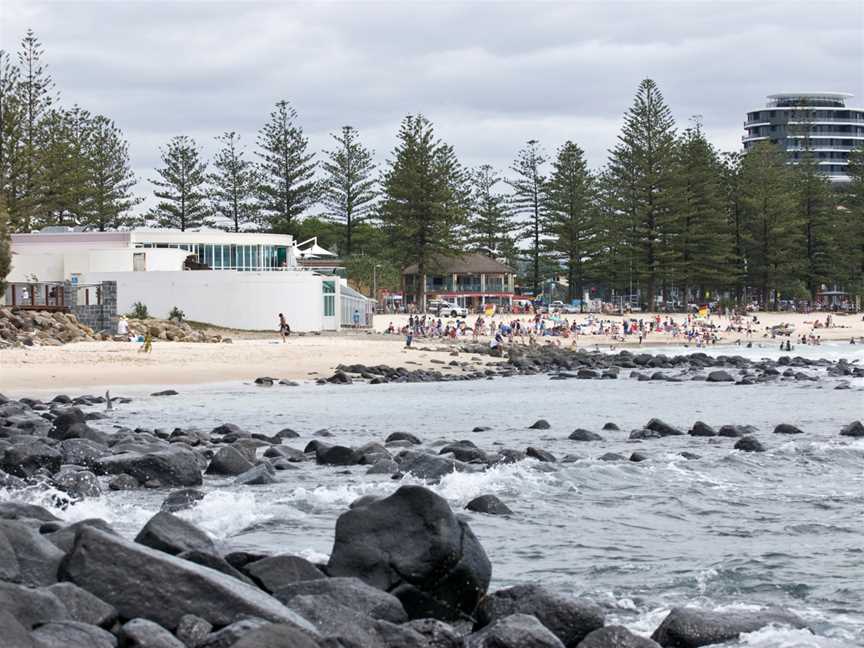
x,y
850,227
181,185
773,243
5,246
702,241
11,131
573,218
528,186
110,181
424,198
815,206
641,167
61,181
491,222
349,189
234,183
287,186
614,260
35,91
735,219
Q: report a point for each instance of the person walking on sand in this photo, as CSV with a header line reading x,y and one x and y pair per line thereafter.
x,y
284,329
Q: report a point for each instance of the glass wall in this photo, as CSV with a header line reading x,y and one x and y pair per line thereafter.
x,y
329,289
232,257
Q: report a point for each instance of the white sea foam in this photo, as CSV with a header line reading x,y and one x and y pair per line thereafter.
x,y
773,636
224,513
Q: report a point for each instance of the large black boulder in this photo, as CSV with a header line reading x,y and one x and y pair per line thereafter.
x,y
568,619
854,429
24,459
83,606
412,545
143,633
787,428
72,634
693,627
488,504
719,376
27,557
274,635
171,534
350,592
539,424
749,444
334,455
276,572
514,631
229,461
429,467
31,607
182,499
616,636
170,467
662,428
584,435
144,582
702,429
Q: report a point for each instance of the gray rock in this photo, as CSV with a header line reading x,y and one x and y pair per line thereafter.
x,y
171,534
611,456
663,428
411,545
616,636
27,557
170,467
644,434
228,636
719,376
31,607
540,455
229,461
14,634
182,499
514,631
277,572
83,606
749,444
82,452
334,455
854,429
402,436
25,459
64,539
218,563
193,630
787,428
539,424
166,587
584,435
383,467
72,634
437,633
693,627
142,633
702,429
78,483
277,635
568,619
731,431
123,482
260,475
350,592
17,510
429,467
488,504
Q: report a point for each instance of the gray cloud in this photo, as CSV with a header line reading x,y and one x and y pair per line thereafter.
x,y
490,75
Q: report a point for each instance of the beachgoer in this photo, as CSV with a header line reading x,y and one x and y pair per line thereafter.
x,y
284,329
147,347
356,318
123,327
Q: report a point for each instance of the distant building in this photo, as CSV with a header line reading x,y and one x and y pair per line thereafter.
x,y
238,280
820,121
469,280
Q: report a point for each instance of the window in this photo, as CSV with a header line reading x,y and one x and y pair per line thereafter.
x,y
329,289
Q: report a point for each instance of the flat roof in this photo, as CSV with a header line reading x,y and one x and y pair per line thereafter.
x,y
827,95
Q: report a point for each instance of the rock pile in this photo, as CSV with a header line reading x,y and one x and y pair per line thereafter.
x,y
172,330
41,328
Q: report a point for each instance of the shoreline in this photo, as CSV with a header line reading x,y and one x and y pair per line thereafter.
x,y
106,365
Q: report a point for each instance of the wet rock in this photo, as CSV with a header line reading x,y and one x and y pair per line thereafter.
x,y
427,466
13,633
27,557
142,633
173,535
514,631
540,455
611,456
193,630
489,504
72,634
165,587
81,452
402,436
540,424
64,539
663,428
11,482
66,418
610,426
693,627
749,444
83,606
411,545
584,435
25,459
215,562
260,475
570,620
180,500
165,392
123,482
383,467
437,633
731,431
701,429
31,607
350,592
616,636
854,429
719,376
170,467
273,635
78,483
644,434
233,633
690,456
334,455
787,428
228,460
637,457
277,572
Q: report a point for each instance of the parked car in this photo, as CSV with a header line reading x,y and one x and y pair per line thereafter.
x,y
446,308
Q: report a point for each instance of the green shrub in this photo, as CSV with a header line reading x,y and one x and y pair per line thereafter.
x,y
177,315
139,311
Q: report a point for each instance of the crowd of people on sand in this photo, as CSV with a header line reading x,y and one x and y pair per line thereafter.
x,y
691,330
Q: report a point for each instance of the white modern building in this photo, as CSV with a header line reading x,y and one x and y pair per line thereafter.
x,y
820,122
237,280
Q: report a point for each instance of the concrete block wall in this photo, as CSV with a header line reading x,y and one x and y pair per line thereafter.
x,y
100,316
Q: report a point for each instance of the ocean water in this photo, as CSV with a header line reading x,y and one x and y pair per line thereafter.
x,y
724,531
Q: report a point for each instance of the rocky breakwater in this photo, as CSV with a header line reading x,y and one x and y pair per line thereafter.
x,y
404,571
173,331
41,328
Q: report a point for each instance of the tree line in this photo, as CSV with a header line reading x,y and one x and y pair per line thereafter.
x,y
668,217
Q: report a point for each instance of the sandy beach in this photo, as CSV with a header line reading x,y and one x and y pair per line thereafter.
x,y
104,365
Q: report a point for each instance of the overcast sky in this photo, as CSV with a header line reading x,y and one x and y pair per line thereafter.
x,y
489,75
